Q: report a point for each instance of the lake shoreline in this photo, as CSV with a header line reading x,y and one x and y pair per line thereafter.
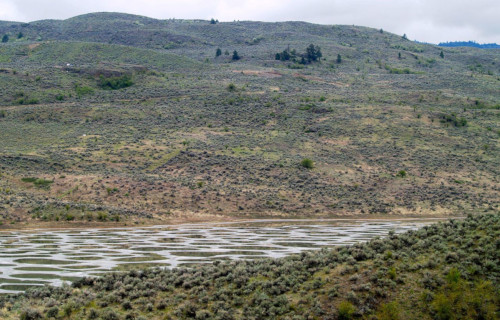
x,y
72,225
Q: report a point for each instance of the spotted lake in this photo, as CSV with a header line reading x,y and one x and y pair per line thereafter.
x,y
53,256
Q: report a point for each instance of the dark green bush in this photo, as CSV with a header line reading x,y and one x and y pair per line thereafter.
x,y
26,100
115,83
452,118
231,87
307,163
401,173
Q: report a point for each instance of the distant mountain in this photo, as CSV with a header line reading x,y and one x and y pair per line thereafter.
x,y
181,35
469,44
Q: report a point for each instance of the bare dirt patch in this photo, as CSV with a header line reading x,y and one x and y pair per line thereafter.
x,y
33,46
260,73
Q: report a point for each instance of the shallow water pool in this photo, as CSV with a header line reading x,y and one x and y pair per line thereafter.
x,y
41,257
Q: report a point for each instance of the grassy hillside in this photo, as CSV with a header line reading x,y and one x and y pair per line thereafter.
x,y
122,126
444,271
41,72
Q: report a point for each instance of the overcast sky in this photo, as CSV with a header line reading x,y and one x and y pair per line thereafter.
x,y
423,20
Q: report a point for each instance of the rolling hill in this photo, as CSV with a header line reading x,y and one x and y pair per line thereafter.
x,y
114,117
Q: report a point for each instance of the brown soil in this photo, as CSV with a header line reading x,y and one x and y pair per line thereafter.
x,y
260,73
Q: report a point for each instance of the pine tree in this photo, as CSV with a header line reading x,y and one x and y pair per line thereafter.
x,y
319,55
313,53
441,54
5,38
339,58
218,52
235,55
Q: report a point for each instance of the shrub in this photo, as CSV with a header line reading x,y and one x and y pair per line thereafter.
x,y
457,122
30,314
453,276
109,314
83,90
345,310
442,307
42,182
102,216
26,100
111,191
52,312
202,314
38,182
398,71
307,163
392,273
389,311
115,83
68,309
401,174
162,304
93,314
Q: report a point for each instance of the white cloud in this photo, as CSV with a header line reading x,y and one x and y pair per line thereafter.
x,y
423,20
8,11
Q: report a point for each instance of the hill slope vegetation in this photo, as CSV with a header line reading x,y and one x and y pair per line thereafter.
x,y
135,118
